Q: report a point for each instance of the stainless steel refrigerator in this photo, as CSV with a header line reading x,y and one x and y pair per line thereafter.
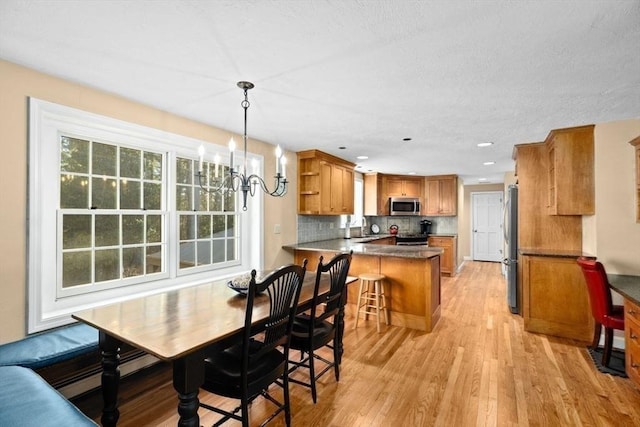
x,y
511,240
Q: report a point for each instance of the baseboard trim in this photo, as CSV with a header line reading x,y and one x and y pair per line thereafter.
x,y
92,382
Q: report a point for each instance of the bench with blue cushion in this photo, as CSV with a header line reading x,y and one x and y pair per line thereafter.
x,y
50,347
28,400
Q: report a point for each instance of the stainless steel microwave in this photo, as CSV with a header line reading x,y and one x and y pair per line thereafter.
x,y
404,206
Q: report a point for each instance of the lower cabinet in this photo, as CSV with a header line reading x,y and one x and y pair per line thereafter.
x,y
632,340
555,300
448,259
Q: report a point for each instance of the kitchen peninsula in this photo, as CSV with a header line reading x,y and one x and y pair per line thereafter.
x,y
412,275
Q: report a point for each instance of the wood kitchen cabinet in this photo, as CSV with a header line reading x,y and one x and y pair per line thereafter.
x,y
632,340
571,178
325,184
636,143
441,195
555,300
448,259
403,186
379,187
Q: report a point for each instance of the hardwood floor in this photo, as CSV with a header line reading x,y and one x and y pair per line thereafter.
x,y
478,367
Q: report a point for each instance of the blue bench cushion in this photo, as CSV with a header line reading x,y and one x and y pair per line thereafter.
x,y
48,348
27,400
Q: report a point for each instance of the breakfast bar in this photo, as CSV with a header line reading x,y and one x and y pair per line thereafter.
x,y
412,275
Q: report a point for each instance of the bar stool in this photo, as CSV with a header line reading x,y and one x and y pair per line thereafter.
x,y
371,296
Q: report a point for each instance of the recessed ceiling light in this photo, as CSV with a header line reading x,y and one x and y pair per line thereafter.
x,y
489,163
485,144
406,139
411,173
342,148
362,157
482,179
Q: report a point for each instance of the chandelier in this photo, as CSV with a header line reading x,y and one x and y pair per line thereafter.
x,y
239,180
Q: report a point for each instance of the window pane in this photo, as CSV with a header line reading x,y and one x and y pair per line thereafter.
x,y
154,228
203,198
76,231
132,229
204,252
183,198
103,194
132,262
187,227
231,222
184,172
204,226
104,159
218,251
74,268
215,202
74,192
130,163
187,254
229,201
218,226
153,166
107,230
154,259
107,265
152,196
231,250
74,155
129,194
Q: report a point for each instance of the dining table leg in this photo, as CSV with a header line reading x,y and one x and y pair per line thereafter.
x,y
110,348
188,376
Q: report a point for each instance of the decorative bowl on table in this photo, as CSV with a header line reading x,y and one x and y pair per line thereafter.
x,y
240,284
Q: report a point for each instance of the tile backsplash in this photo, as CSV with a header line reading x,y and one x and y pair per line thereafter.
x,y
325,227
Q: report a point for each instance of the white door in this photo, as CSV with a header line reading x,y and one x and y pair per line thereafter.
x,y
486,223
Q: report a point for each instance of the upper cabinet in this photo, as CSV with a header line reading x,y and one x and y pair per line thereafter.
x,y
403,186
441,195
325,184
570,171
636,143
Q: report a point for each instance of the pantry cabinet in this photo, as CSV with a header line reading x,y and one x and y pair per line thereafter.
x,y
325,184
441,195
570,173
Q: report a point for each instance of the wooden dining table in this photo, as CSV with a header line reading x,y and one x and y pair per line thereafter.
x,y
179,326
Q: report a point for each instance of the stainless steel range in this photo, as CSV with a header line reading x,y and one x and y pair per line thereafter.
x,y
411,240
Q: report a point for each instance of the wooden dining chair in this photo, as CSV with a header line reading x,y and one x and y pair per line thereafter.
x,y
318,327
604,312
260,358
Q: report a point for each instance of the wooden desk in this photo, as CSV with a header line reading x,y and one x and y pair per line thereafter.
x,y
177,327
629,288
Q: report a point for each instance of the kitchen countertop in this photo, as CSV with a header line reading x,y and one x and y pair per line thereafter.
x,y
360,246
627,286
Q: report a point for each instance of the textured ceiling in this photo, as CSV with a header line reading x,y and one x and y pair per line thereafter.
x,y
358,74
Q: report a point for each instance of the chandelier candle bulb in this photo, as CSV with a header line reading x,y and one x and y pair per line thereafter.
x,y
216,160
278,156
201,154
232,148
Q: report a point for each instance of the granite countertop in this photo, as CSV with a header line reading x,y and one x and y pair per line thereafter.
x,y
360,246
563,253
627,286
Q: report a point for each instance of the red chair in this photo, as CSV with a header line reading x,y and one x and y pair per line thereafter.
x,y
604,312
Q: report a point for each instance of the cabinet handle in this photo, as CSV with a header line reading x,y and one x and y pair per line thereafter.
x,y
633,337
635,365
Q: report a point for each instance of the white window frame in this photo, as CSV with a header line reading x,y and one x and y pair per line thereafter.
x,y
358,204
46,122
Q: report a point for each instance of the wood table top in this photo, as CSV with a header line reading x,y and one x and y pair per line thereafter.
x,y
172,324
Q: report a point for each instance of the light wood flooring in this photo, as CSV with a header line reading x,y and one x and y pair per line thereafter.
x,y
477,368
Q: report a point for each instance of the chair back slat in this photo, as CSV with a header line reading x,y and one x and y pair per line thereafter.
x,y
282,287
337,269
